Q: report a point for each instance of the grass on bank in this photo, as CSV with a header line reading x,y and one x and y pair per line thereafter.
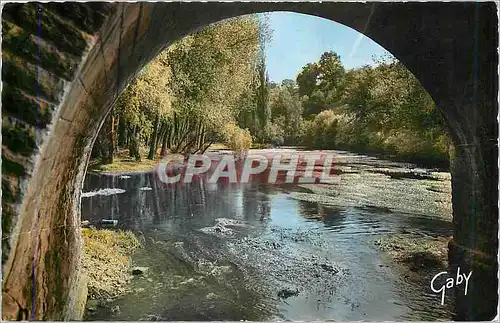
x,y
123,163
106,261
418,253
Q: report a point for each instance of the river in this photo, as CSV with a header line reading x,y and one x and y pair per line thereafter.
x,y
258,252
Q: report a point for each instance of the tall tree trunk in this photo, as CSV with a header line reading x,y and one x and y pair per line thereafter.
x,y
187,147
130,139
126,135
161,133
175,131
182,132
111,136
169,137
164,142
116,129
180,141
96,150
206,147
122,132
105,142
152,143
137,145
201,137
134,145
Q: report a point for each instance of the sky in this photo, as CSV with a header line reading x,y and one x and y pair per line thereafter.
x,y
298,39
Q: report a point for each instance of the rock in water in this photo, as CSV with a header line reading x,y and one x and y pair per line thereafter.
x,y
211,296
116,310
329,268
111,223
286,293
139,270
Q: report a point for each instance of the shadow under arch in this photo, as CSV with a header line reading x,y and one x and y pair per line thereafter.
x,y
438,42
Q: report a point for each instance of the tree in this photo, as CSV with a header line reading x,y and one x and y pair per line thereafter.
x,y
380,107
307,79
331,73
144,102
212,71
286,111
320,84
187,96
263,112
358,96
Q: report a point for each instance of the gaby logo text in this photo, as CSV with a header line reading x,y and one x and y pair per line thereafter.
x,y
450,282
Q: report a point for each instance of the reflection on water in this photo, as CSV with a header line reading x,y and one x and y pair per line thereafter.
x,y
230,252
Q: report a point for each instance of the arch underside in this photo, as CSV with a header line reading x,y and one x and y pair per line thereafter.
x,y
450,47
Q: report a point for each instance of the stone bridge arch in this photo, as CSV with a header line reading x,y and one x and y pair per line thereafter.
x,y
64,66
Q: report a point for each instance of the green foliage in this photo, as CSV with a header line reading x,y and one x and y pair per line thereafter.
x,y
212,71
106,261
321,84
308,79
212,86
381,109
263,112
321,132
147,96
235,138
286,112
186,98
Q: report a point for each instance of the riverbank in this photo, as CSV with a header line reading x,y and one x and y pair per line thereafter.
x,y
106,261
440,162
124,164
418,258
431,160
417,252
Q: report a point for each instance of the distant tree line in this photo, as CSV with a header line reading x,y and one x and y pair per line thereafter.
x,y
212,87
381,108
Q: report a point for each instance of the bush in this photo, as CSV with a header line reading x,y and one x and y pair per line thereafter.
x,y
321,132
235,138
275,134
